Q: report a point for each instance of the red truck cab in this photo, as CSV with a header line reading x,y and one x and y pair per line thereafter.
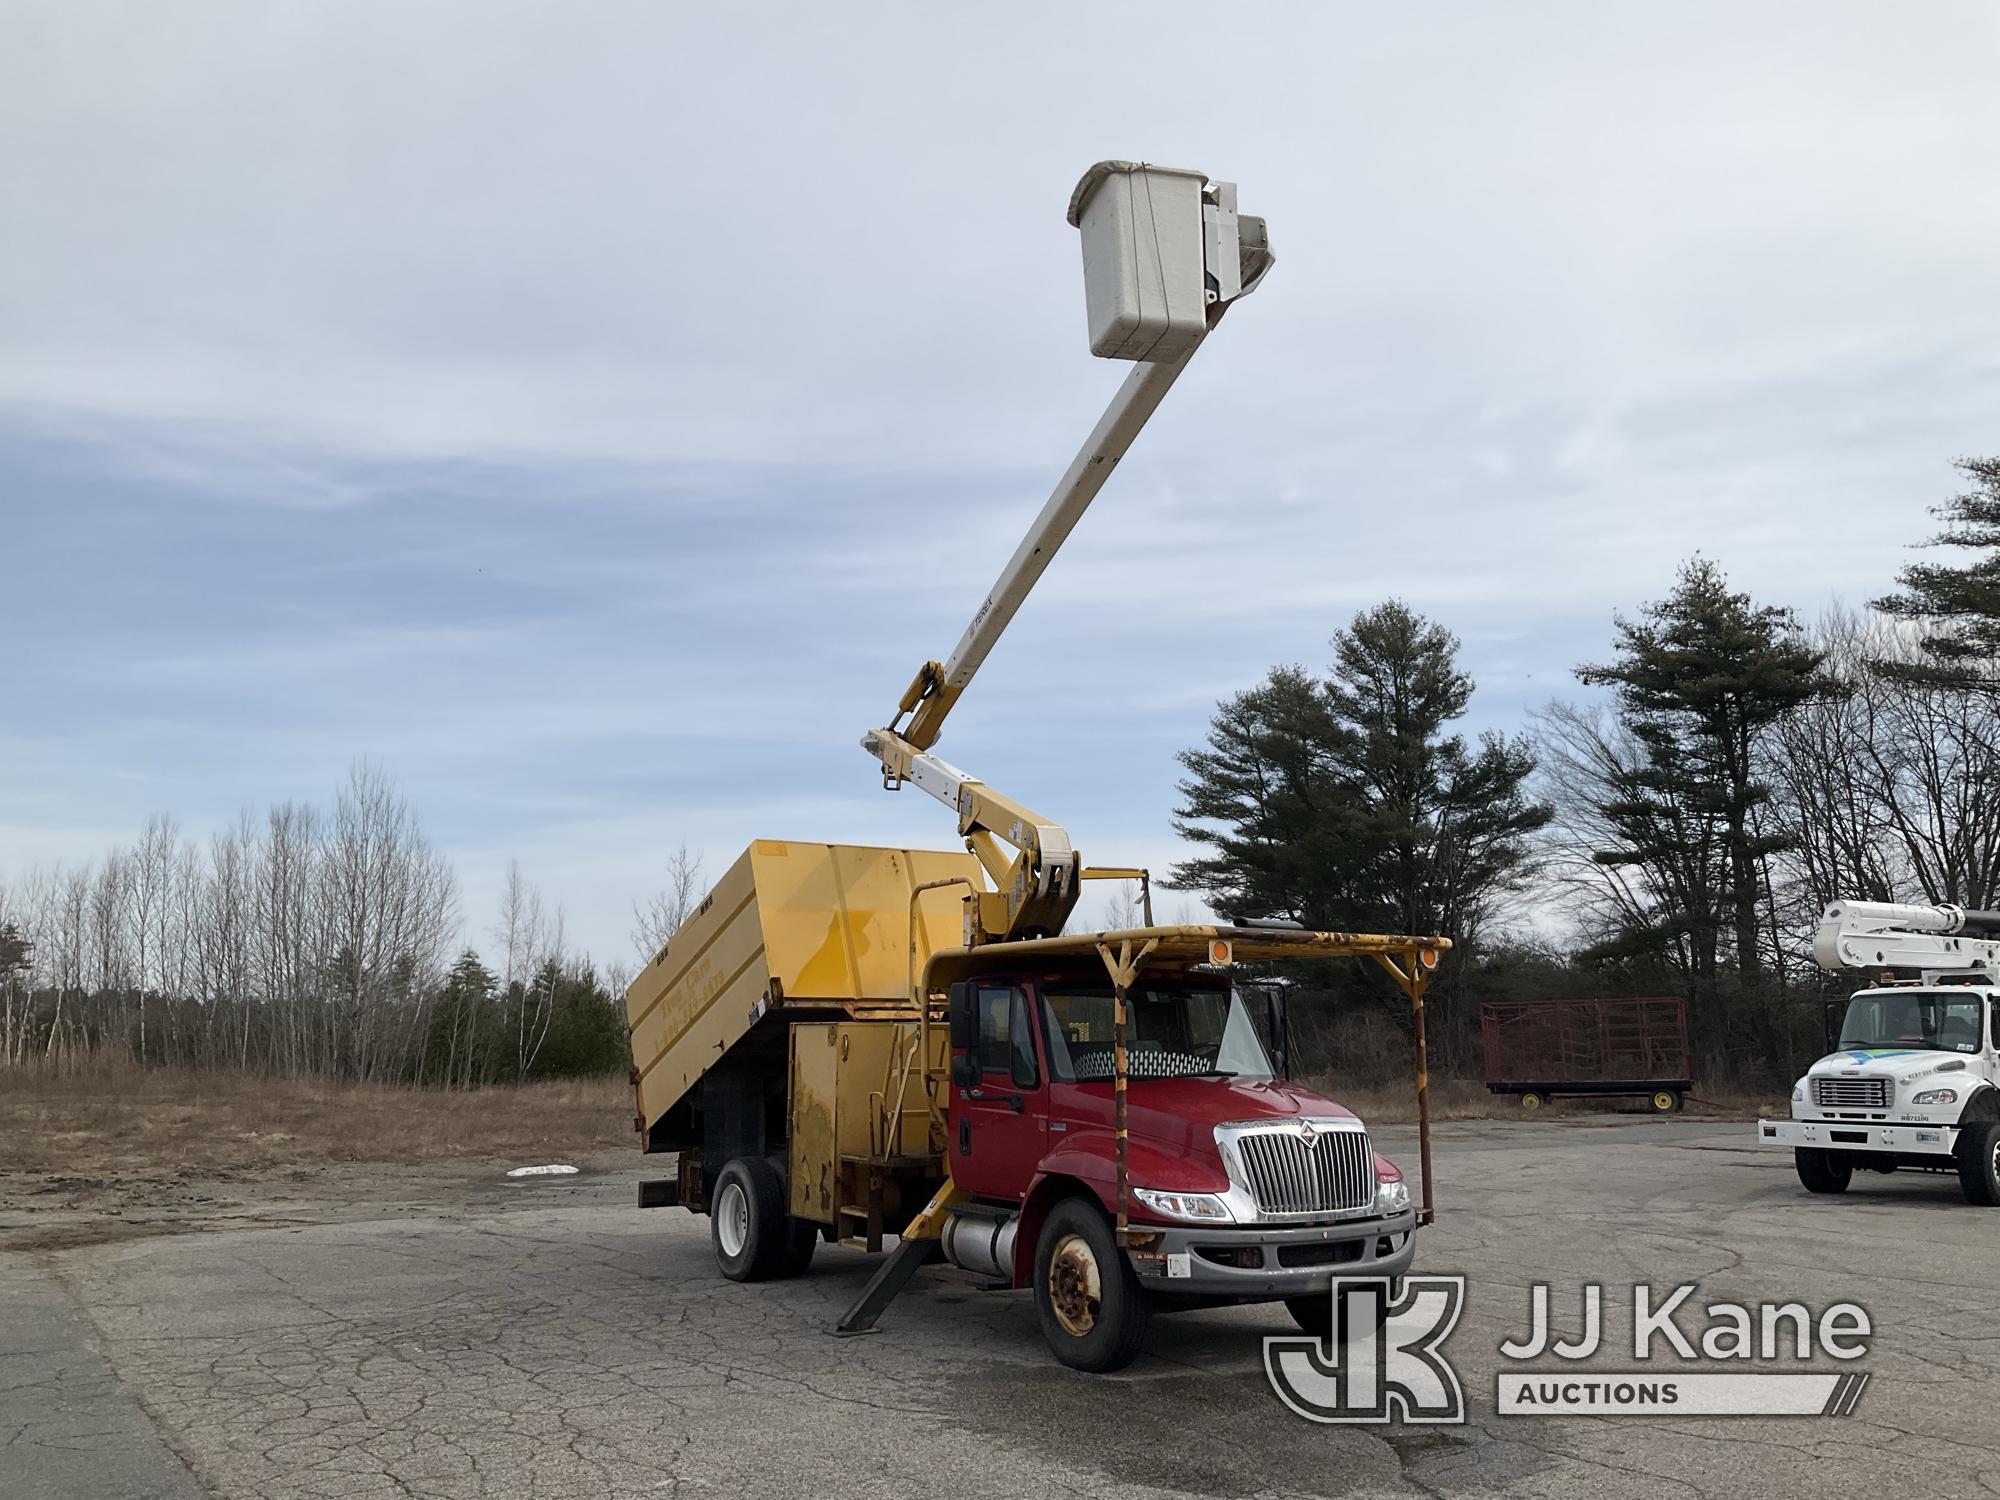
x,y
1241,1186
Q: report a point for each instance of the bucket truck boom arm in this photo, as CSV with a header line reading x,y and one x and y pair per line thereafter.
x,y
1165,253
1936,940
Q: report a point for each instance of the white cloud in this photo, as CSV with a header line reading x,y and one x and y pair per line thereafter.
x,y
609,408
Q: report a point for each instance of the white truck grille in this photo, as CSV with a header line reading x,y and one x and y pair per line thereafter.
x,y
1291,1170
1851,1093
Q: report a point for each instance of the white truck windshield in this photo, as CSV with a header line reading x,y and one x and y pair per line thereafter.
x,y
1934,1020
1171,1033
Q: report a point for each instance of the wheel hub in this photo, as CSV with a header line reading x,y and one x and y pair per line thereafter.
x,y
732,1219
1076,1289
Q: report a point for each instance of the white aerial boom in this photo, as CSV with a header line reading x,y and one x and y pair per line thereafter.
x,y
1935,940
1164,254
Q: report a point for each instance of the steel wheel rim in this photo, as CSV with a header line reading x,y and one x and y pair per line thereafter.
x,y
1993,1166
732,1219
1531,1101
1076,1286
1663,1101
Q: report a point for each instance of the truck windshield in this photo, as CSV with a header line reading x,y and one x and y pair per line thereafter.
x,y
1936,1020
1173,1033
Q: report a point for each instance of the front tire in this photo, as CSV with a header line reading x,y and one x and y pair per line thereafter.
x,y
1822,1171
1979,1163
1314,1312
1665,1102
1532,1100
754,1238
1093,1311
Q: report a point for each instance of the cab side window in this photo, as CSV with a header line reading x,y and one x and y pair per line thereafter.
x,y
1006,1041
1993,1009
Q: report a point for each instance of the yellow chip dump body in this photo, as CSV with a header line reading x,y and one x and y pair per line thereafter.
x,y
806,927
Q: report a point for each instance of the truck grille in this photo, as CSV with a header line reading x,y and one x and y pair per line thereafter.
x,y
1294,1171
1851,1093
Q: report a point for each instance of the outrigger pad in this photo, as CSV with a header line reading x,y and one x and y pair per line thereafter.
x,y
909,1257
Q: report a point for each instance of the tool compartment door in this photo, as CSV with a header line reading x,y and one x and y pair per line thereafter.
x,y
813,1169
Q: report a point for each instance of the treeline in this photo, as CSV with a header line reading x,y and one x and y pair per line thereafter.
x,y
306,943
1676,834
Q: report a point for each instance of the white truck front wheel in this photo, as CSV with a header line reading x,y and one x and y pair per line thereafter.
x,y
1979,1163
1822,1171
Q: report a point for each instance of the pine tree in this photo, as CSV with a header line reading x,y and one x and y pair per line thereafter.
x,y
1345,803
16,952
1699,676
1446,827
1265,797
466,1035
1959,606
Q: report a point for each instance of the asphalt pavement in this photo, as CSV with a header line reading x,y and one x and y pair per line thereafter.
x,y
553,1340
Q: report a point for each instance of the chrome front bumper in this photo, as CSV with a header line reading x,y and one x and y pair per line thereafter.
x,y
1851,1135
1185,1258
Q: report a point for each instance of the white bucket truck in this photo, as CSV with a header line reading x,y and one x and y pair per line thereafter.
x,y
1914,1081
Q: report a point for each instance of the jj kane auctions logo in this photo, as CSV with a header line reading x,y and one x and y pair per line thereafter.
x,y
1386,1361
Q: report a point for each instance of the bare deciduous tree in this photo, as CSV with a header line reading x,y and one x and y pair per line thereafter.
x,y
531,943
661,917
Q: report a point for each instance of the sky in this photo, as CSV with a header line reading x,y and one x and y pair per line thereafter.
x,y
594,414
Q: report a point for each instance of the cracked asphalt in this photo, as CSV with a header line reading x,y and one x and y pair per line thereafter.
x,y
554,1341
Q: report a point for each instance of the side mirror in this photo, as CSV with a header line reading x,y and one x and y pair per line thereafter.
x,y
1281,1032
961,1005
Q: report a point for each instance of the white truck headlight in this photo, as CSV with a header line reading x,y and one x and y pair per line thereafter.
x,y
1937,1096
1392,1197
1196,1208
1799,1094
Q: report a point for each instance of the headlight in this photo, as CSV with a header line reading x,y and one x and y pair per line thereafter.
x,y
1392,1197
1937,1096
1799,1094
1200,1208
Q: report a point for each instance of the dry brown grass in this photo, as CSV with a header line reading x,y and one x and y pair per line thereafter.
x,y
1468,1099
115,1116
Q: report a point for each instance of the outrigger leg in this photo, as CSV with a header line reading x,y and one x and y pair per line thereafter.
x,y
916,1248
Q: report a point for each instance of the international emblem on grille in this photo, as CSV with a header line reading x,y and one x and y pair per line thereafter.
x,y
1297,1169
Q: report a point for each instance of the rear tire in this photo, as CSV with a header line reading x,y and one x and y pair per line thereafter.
x,y
1665,1102
1822,1171
1093,1311
1531,1100
1979,1163
754,1238
798,1254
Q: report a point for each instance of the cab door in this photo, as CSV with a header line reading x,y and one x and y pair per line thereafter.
x,y
1000,1113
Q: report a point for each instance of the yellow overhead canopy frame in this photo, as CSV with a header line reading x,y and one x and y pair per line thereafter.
x,y
1410,961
